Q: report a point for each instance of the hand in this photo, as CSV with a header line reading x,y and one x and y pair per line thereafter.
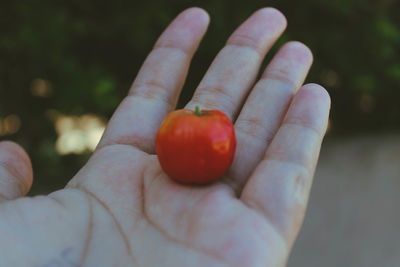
x,y
120,209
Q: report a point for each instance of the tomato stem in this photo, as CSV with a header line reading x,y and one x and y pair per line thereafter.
x,y
197,111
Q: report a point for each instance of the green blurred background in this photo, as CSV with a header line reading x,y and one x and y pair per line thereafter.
x,y
62,60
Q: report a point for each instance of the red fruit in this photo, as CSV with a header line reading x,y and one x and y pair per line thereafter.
x,y
196,146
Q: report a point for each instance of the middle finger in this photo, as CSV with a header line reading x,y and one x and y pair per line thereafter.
x,y
233,71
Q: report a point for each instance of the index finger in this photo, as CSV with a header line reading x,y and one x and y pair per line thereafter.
x,y
155,90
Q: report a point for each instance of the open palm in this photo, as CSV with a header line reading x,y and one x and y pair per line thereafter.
x,y
120,209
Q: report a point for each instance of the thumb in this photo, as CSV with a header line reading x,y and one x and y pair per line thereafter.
x,y
15,171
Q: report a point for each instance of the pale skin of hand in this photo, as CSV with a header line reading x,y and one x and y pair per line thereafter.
x,y
120,209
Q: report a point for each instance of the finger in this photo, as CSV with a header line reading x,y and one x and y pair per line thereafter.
x,y
280,185
156,89
15,171
235,68
265,107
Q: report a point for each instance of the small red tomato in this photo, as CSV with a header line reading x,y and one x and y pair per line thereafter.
x,y
196,146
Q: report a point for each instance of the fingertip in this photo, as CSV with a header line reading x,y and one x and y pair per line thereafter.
x,y
318,91
195,16
185,31
272,12
17,162
260,31
310,106
198,13
15,149
300,51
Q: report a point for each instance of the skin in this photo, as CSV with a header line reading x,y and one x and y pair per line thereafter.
x,y
120,209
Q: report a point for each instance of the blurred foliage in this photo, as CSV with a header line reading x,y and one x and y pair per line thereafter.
x,y
89,52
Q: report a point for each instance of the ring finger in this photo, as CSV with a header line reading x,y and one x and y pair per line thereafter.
x,y
265,108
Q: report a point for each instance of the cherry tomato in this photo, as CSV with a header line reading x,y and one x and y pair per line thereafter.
x,y
196,146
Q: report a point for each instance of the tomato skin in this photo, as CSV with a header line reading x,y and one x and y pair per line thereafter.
x,y
196,149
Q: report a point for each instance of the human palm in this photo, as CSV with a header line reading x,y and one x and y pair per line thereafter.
x,y
121,209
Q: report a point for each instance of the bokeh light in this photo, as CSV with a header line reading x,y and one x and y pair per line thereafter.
x,y
11,124
77,135
41,88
